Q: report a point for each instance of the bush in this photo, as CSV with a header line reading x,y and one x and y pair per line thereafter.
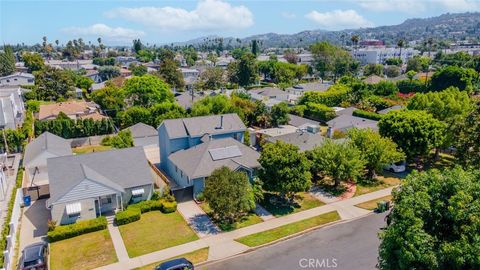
x,y
33,105
319,112
332,97
127,216
76,229
410,86
168,207
379,103
200,197
147,206
385,88
367,115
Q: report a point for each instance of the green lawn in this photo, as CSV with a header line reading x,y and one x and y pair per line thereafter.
x,y
381,183
372,205
249,219
156,231
87,251
261,238
197,256
90,148
304,201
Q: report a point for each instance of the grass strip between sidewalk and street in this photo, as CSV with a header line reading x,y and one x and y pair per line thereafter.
x,y
197,256
372,204
271,235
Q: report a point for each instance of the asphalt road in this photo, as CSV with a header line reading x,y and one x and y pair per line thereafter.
x,y
346,246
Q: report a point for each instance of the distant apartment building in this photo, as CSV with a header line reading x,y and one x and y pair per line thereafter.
x,y
72,65
379,55
371,42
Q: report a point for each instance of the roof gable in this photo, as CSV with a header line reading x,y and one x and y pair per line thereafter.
x,y
46,142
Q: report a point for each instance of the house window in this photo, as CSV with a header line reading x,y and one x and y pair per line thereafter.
x,y
138,193
106,200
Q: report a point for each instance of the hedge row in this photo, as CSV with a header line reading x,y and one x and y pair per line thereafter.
x,y
134,211
367,115
11,202
76,229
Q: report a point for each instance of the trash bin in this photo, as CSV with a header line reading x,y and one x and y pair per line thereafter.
x,y
27,200
382,206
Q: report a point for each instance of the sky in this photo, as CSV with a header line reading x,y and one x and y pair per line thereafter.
x,y
118,22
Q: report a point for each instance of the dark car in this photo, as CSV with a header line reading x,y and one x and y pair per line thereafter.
x,y
34,257
176,264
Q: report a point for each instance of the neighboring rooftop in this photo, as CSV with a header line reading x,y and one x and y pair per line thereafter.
x,y
278,131
117,169
73,109
48,142
393,108
141,130
301,122
185,99
201,160
199,126
303,140
373,79
346,121
310,87
268,91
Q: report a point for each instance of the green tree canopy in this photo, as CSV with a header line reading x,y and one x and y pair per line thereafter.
x,y
376,150
418,63
53,84
147,90
7,61
462,78
110,98
340,161
279,114
229,194
373,69
416,132
434,223
330,59
138,70
284,169
171,74
33,61
468,139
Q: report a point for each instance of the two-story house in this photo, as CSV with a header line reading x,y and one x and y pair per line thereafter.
x,y
192,148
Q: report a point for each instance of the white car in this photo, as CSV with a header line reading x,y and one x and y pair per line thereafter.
x,y
396,167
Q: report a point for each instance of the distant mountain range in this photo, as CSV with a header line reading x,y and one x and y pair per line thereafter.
x,y
457,26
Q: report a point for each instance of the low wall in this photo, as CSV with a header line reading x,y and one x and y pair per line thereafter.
x,y
9,252
85,141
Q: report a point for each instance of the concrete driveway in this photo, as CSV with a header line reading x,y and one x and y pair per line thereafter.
x,y
34,226
197,219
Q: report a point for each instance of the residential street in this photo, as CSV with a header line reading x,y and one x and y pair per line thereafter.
x,y
351,245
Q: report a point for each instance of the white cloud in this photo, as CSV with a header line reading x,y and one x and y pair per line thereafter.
x,y
207,15
339,19
288,15
106,32
409,6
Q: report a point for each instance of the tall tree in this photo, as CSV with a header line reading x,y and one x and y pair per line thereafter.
x,y
247,69
434,223
330,59
340,161
110,99
376,150
147,90
171,74
7,61
462,78
229,194
33,61
53,84
468,139
416,132
108,72
279,114
255,49
400,44
284,169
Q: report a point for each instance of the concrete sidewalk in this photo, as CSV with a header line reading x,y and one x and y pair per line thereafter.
x,y
118,244
223,245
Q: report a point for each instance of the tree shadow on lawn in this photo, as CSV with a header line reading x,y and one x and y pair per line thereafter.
x,y
278,206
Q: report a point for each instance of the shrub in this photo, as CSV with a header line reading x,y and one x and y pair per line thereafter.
x,y
147,206
332,97
319,112
367,115
168,207
127,216
410,86
200,197
76,229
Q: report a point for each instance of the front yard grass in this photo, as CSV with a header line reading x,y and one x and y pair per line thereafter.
x,y
197,256
380,183
304,201
249,219
271,235
90,148
372,205
155,231
87,251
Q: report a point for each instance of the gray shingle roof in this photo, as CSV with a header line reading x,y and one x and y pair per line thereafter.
x,y
389,109
46,142
304,140
197,161
268,91
313,86
198,126
117,169
345,122
141,130
298,121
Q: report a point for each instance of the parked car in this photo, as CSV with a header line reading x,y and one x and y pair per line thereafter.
x,y
176,264
34,257
397,167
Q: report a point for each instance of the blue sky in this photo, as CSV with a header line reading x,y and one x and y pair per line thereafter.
x,y
118,22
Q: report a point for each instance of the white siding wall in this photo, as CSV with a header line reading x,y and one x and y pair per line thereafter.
x,y
59,213
86,189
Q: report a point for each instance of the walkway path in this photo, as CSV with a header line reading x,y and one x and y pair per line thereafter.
x,y
328,198
222,245
197,219
118,244
263,213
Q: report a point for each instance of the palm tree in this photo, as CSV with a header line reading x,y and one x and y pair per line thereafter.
x,y
430,43
355,39
400,45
